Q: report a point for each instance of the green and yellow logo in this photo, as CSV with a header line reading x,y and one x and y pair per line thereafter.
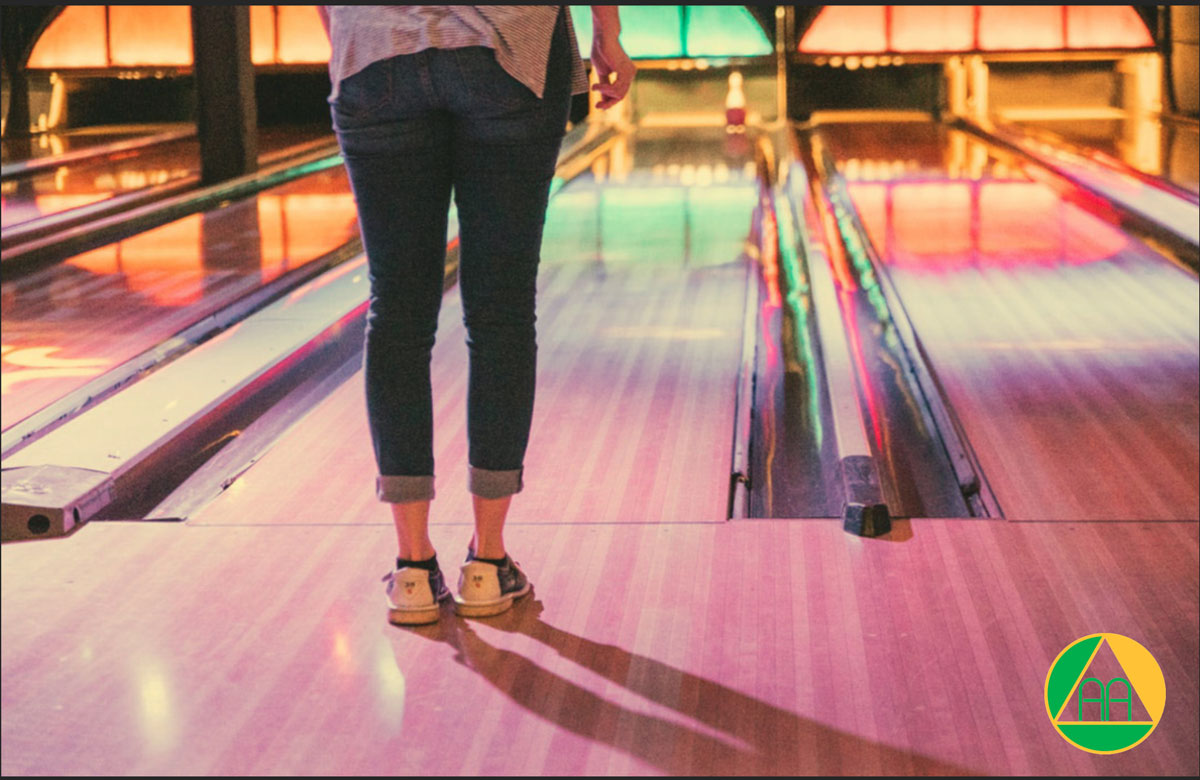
x,y
1105,693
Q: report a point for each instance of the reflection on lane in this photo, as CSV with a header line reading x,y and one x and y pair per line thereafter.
x,y
1170,150
89,181
105,306
1068,348
941,225
674,206
55,143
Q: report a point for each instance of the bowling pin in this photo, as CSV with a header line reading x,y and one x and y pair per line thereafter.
x,y
735,105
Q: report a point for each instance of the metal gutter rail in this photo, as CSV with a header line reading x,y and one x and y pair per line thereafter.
x,y
765,217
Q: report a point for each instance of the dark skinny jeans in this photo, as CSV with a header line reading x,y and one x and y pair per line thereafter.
x,y
412,129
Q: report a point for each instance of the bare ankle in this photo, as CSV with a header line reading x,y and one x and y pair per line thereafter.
x,y
486,547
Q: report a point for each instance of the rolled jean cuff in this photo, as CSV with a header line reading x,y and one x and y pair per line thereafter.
x,y
487,483
401,490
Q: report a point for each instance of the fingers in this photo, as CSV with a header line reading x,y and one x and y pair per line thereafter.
x,y
608,96
613,83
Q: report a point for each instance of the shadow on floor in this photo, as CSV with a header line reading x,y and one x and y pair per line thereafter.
x,y
739,735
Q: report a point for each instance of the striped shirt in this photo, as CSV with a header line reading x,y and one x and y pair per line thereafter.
x,y
520,35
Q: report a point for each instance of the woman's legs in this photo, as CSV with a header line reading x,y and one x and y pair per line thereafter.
x,y
506,149
412,530
501,191
396,143
488,541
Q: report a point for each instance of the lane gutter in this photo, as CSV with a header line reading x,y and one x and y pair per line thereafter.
x,y
864,511
971,480
743,414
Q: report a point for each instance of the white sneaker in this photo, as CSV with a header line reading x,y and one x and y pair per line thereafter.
x,y
413,595
485,589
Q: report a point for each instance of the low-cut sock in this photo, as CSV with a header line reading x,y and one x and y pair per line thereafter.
x,y
497,562
428,565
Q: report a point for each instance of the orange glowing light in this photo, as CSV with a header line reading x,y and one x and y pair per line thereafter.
x,y
296,228
164,264
920,226
302,38
871,29
53,204
38,362
1105,27
40,357
1021,27
770,258
1006,229
11,379
847,28
85,36
103,260
943,226
932,28
141,35
933,220
75,39
262,34
272,235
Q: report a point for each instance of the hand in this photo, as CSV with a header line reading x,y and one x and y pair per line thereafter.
x,y
614,69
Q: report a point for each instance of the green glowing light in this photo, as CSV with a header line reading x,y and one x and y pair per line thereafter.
x,y
798,299
724,31
668,31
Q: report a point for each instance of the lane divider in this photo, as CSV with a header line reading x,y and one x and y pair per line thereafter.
x,y
864,511
763,225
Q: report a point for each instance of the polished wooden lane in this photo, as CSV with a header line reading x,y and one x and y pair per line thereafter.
x,y
1068,349
68,323
773,647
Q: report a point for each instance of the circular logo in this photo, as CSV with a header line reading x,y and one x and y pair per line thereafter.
x,y
1105,693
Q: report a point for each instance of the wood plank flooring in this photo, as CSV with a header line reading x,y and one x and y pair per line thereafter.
x,y
1077,410
772,647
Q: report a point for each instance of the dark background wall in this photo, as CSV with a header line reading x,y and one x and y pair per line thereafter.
x,y
813,88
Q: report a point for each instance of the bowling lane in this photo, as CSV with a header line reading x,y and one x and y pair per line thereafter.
x,y
81,140
641,297
70,322
73,185
1068,349
1154,146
